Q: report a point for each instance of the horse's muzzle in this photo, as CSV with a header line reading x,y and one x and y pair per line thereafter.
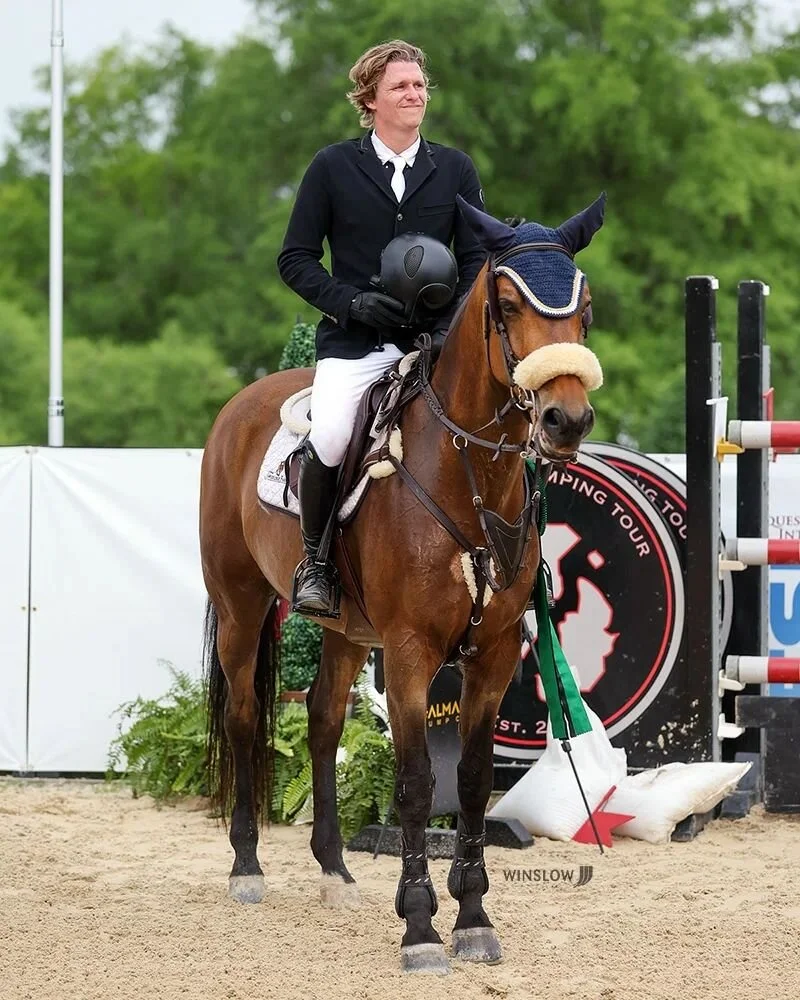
x,y
561,430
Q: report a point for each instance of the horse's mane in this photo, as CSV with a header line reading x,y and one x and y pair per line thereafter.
x,y
462,305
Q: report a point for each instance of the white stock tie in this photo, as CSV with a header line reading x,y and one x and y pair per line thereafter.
x,y
398,180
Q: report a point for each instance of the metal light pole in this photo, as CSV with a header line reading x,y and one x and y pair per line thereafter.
x,y
55,402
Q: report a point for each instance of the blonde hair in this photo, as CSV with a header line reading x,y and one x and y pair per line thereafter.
x,y
370,67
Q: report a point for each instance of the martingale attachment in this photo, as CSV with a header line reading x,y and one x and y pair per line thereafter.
x,y
552,360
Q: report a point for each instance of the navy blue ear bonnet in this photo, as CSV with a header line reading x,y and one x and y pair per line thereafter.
x,y
548,279
537,259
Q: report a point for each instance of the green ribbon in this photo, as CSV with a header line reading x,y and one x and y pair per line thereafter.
x,y
564,702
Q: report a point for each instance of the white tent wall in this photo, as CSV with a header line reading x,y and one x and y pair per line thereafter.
x,y
109,539
117,589
15,501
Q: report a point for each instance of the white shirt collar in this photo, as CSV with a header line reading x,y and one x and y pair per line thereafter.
x,y
385,154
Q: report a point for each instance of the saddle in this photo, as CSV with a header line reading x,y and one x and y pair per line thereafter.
x,y
375,435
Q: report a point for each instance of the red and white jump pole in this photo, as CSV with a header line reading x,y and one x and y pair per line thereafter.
x,y
763,551
764,433
763,669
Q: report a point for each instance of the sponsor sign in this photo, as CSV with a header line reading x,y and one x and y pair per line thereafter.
x,y
619,612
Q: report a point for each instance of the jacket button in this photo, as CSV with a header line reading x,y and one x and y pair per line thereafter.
x,y
399,216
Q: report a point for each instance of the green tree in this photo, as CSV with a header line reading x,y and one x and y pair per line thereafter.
x,y
300,350
23,377
163,393
182,162
172,207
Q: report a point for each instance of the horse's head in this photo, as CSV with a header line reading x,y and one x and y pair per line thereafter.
x,y
537,316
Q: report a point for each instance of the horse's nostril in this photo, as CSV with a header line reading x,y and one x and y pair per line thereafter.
x,y
553,418
558,423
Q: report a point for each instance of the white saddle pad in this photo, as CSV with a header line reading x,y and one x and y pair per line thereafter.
x,y
295,424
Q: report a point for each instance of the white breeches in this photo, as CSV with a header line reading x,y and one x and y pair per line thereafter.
x,y
339,384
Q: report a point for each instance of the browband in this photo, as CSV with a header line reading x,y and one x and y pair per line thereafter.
x,y
523,247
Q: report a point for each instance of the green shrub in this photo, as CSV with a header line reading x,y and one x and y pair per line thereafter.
x,y
300,350
365,778
291,781
300,652
162,750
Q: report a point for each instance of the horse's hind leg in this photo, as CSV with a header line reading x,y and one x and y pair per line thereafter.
x,y
485,682
243,703
327,704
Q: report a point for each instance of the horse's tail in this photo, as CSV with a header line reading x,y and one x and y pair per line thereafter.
x,y
219,757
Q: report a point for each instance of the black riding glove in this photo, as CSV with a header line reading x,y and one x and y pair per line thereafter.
x,y
378,310
437,342
438,334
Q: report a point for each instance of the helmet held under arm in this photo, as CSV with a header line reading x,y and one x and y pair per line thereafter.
x,y
419,271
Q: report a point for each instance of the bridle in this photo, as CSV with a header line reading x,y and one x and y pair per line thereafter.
x,y
492,314
524,400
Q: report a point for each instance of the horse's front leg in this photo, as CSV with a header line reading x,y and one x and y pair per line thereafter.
x,y
485,683
408,674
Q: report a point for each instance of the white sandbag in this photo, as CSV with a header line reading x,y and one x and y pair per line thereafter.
x,y
546,799
661,797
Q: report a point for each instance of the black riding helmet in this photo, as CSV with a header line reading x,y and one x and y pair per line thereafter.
x,y
420,272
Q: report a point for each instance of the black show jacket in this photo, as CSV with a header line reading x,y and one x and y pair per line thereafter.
x,y
346,197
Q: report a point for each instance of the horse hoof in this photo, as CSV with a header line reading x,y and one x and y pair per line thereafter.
x,y
246,888
338,894
429,958
477,944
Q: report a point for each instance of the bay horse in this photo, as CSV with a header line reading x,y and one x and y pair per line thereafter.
x,y
445,553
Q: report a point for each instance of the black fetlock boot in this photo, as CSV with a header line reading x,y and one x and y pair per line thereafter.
x,y
316,586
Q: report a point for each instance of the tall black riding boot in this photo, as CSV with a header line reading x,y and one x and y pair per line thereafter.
x,y
316,585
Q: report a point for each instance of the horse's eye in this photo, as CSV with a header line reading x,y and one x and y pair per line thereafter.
x,y
586,318
508,308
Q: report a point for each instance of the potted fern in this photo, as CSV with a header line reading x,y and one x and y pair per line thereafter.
x,y
365,769
160,751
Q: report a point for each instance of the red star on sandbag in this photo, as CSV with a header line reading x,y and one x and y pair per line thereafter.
x,y
604,821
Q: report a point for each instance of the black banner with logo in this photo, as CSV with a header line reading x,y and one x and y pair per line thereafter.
x,y
615,544
667,492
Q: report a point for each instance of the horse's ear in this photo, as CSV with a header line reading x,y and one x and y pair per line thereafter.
x,y
492,234
577,232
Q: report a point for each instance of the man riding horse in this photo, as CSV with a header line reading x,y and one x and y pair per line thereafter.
x,y
444,551
360,194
